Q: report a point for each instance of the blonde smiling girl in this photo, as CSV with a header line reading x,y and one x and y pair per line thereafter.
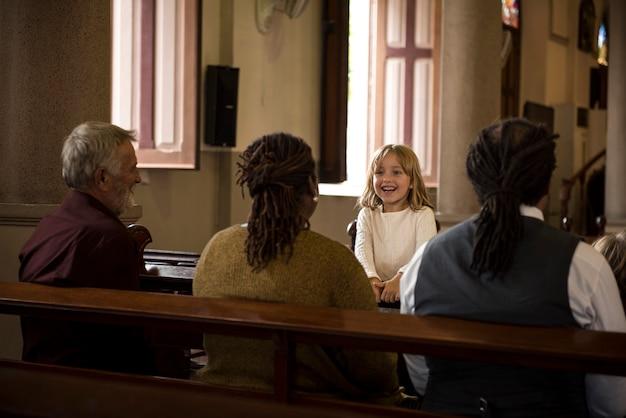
x,y
396,218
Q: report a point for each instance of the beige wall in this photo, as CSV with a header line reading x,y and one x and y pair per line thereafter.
x,y
55,73
279,90
535,27
279,86
555,72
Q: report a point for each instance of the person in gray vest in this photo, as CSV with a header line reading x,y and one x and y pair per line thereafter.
x,y
506,265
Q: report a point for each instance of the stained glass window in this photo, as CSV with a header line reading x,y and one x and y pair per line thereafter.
x,y
602,45
510,13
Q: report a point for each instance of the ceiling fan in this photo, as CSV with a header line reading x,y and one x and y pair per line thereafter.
x,y
265,10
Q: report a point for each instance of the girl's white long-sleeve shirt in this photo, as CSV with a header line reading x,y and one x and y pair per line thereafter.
x,y
385,242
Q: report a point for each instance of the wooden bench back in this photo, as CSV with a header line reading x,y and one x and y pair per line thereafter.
x,y
161,270
39,390
288,325
549,347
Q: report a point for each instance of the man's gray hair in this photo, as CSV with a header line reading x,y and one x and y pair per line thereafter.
x,y
89,146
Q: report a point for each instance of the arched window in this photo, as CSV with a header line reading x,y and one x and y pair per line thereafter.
x,y
603,46
510,13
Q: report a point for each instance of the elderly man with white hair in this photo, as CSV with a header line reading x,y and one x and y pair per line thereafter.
x,y
83,243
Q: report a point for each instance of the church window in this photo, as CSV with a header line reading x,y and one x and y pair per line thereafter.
x,y
155,79
510,13
393,81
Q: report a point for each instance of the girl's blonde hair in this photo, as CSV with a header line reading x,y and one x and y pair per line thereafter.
x,y
417,197
613,248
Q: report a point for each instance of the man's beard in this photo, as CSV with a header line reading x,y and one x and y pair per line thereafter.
x,y
125,199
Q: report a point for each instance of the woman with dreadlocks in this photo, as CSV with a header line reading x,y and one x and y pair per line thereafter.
x,y
275,257
506,265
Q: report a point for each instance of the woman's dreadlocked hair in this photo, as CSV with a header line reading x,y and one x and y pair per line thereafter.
x,y
278,170
510,163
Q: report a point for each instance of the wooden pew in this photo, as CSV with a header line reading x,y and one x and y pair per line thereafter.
x,y
38,390
168,271
162,270
288,325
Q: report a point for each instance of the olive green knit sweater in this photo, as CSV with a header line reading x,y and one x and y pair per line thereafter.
x,y
321,272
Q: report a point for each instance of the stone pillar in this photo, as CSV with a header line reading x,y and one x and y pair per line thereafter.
x,y
615,196
470,95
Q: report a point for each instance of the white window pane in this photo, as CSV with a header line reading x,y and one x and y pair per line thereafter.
x,y
136,74
165,73
422,112
396,23
393,130
179,78
175,75
122,82
423,22
358,85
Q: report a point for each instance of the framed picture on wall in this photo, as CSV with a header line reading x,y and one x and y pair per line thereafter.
x,y
586,26
559,28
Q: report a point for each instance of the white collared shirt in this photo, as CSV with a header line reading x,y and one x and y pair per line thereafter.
x,y
595,304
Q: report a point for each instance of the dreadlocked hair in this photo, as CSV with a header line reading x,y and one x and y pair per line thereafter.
x,y
278,170
509,163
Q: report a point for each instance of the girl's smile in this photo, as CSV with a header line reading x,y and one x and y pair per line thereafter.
x,y
392,184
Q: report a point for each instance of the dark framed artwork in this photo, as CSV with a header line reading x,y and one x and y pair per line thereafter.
x,y
586,26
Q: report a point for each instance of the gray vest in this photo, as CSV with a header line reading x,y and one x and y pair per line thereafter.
x,y
532,292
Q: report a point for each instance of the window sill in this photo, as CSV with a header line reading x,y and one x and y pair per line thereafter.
x,y
340,189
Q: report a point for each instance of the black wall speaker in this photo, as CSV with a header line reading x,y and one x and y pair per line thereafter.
x,y
220,113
